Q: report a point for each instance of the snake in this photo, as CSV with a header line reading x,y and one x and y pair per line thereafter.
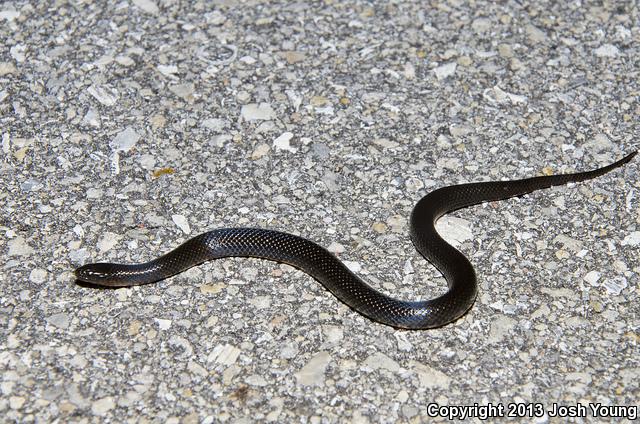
x,y
333,274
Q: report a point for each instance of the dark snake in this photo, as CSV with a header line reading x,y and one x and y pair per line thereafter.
x,y
333,274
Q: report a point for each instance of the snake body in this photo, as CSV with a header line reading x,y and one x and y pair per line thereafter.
x,y
332,273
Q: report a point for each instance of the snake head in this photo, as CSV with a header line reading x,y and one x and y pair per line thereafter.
x,y
100,273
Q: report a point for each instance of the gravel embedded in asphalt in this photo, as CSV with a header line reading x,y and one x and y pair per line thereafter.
x,y
127,128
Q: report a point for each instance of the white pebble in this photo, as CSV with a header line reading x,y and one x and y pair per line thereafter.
x,y
261,302
592,277
632,239
282,142
535,34
38,275
500,328
408,267
381,361
17,52
224,354
125,60
498,95
289,350
260,151
147,161
147,6
182,223
353,266
607,50
446,70
9,15
102,406
332,333
94,193
106,96
615,286
163,324
454,230
254,112
214,124
312,374
125,140
414,184
386,143
449,163
429,377
92,118
184,91
16,402
480,25
403,341
60,320
78,230
107,241
402,396
294,98
19,247
168,70
256,380
335,248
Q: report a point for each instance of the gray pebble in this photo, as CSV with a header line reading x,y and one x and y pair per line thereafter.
x,y
184,91
19,247
60,320
31,185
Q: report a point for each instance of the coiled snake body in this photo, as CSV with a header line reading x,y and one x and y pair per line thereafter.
x,y
333,274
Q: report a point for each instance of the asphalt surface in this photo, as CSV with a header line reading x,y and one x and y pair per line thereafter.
x,y
128,127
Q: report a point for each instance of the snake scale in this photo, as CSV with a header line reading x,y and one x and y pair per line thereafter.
x,y
332,273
